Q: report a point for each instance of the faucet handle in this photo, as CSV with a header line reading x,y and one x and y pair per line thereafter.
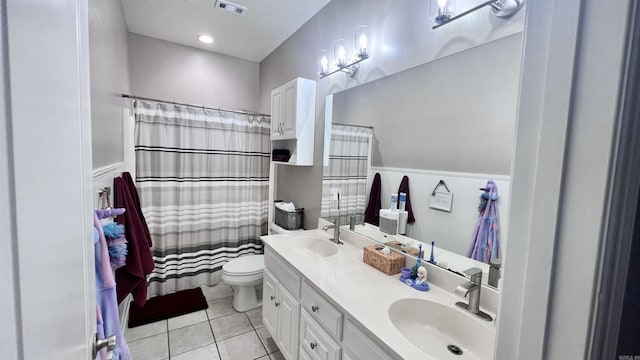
x,y
473,271
475,274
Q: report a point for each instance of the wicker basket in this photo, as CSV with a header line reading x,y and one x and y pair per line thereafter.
x,y
389,264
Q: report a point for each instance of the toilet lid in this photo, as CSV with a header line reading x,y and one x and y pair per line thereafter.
x,y
245,265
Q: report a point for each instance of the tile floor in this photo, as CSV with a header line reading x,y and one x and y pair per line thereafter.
x,y
219,333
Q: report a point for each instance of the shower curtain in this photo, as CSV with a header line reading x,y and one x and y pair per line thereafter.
x,y
349,154
203,179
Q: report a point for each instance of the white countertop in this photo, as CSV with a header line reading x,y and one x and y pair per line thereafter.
x,y
362,291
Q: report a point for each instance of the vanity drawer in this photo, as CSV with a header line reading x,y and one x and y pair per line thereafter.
x,y
358,346
322,310
316,343
288,277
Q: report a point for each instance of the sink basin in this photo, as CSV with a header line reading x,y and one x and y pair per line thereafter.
x,y
312,246
434,327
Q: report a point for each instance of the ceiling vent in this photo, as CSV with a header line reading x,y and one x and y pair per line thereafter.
x,y
231,7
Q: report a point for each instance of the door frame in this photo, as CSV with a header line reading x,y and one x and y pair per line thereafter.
x,y
566,135
46,152
621,217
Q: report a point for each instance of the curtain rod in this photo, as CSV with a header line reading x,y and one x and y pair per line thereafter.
x,y
360,126
127,96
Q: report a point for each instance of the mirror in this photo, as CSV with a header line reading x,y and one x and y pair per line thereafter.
x,y
452,119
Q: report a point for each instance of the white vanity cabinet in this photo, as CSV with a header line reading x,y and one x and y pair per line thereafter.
x,y
293,120
306,324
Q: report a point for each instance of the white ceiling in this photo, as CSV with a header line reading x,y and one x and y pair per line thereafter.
x,y
253,36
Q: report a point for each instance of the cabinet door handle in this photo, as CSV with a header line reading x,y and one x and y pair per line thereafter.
x,y
277,304
313,345
315,308
272,297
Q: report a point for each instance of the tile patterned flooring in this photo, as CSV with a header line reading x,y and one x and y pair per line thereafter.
x,y
219,333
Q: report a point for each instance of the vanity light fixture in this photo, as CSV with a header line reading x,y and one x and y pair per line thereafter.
x,y
342,60
445,10
499,8
204,38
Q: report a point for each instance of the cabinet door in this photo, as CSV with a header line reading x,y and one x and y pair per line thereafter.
x,y
289,109
269,309
315,341
288,320
304,355
276,113
347,356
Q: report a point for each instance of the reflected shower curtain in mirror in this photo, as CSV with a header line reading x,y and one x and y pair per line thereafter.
x,y
349,153
203,179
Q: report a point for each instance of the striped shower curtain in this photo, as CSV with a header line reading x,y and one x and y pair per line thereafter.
x,y
349,162
203,180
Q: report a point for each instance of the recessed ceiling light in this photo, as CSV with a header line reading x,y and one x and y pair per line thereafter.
x,y
205,39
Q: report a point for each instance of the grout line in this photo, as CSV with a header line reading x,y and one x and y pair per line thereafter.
x,y
182,327
259,338
215,342
148,336
168,342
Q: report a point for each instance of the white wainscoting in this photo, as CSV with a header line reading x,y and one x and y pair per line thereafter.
x,y
103,177
450,230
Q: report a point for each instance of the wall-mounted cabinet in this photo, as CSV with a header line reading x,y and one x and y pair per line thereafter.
x,y
293,112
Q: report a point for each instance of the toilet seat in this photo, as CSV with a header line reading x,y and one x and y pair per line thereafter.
x,y
244,266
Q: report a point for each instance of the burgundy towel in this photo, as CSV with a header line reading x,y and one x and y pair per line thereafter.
x,y
372,214
404,187
131,186
131,278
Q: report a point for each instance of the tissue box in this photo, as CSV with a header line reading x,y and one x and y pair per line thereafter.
x,y
389,264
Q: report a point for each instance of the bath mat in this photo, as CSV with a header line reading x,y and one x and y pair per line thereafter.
x,y
167,306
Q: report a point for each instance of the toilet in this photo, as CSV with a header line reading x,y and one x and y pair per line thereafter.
x,y
243,274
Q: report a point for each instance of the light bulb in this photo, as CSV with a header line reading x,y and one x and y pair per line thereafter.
x,y
363,43
324,63
442,3
342,55
204,38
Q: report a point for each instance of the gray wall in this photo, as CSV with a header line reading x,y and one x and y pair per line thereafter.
x,y
168,71
402,38
109,78
457,113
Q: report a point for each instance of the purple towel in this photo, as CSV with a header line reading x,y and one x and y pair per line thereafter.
x,y
404,187
132,278
485,242
372,214
107,315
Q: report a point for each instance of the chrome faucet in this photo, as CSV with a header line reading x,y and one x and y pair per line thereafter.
x,y
336,232
472,289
